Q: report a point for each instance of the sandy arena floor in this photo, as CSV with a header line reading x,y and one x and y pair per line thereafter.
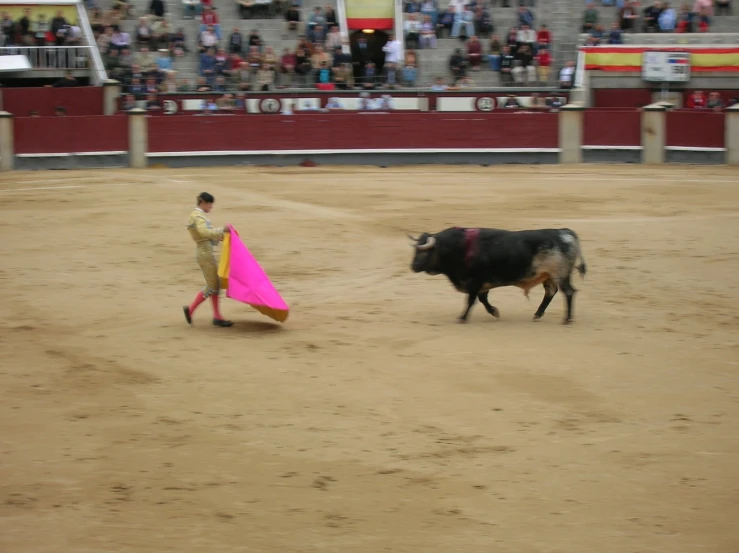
x,y
370,421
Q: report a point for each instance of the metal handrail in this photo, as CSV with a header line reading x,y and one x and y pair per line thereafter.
x,y
48,58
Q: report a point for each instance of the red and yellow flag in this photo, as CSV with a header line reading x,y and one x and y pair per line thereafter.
x,y
629,58
370,14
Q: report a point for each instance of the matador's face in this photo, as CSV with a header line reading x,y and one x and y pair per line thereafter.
x,y
206,206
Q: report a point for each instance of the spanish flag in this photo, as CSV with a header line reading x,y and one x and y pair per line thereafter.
x,y
629,58
245,281
370,14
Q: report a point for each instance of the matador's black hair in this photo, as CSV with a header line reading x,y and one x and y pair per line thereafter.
x,y
205,197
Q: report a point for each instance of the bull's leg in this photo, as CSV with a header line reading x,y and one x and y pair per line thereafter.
x,y
471,299
550,289
483,297
566,286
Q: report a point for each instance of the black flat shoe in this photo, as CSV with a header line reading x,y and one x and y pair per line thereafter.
x,y
222,322
186,309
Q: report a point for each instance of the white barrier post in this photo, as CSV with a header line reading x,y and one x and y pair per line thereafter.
x,y
7,150
111,91
732,135
571,118
138,138
653,124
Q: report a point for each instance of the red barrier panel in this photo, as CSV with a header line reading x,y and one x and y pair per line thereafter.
x,y
78,100
352,131
52,135
611,128
621,97
703,129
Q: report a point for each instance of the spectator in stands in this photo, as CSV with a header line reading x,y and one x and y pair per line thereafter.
x,y
614,36
445,22
463,17
334,38
169,84
370,77
58,25
152,104
209,19
526,36
143,31
431,9
330,16
292,18
596,36
66,81
510,102
512,41
40,28
236,42
412,31
428,34
191,8
525,70
483,22
438,84
316,26
343,75
302,63
265,78
525,17
410,70
129,102
202,85
178,43
506,66
650,16
255,40
627,16
24,28
269,57
184,86
496,51
243,76
392,56
590,18
146,60
208,39
208,65
543,37
7,30
474,52
457,65
137,89
288,61
161,34
697,100
219,85
715,102
567,75
723,7
156,8
247,8
704,20
544,64
411,6
254,59
164,62
320,57
222,65
120,39
667,18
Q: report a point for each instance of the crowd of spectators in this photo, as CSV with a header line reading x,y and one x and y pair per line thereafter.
x,y
656,17
522,55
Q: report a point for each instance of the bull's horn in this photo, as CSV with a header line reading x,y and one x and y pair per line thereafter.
x,y
428,245
413,238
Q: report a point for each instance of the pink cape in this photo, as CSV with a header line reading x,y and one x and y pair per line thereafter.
x,y
248,283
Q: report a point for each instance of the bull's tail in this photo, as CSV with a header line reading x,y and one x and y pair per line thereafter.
x,y
582,268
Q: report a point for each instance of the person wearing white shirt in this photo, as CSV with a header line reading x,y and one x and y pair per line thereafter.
x,y
412,29
566,75
392,57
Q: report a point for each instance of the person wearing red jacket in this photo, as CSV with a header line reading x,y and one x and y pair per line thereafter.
x,y
697,100
209,17
544,64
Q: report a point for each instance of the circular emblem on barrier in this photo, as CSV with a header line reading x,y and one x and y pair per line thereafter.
x,y
269,105
485,103
170,107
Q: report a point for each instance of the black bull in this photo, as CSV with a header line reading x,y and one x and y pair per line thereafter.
x,y
478,260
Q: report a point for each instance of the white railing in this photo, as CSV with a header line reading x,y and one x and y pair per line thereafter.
x,y
399,33
98,75
343,26
52,58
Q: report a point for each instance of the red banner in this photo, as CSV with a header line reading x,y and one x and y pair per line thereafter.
x,y
695,128
52,135
320,131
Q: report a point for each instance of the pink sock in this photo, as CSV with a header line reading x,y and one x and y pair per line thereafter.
x,y
200,298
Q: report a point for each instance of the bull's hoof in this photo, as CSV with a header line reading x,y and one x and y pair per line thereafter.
x,y
536,317
494,312
462,321
567,322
